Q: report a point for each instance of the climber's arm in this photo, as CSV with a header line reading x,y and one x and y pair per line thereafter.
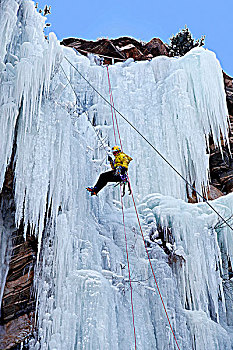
x,y
112,163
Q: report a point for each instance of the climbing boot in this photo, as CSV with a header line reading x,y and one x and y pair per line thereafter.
x,y
92,190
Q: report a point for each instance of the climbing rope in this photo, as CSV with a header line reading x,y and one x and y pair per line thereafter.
x,y
139,223
130,282
127,254
77,97
123,215
157,286
110,94
122,207
113,109
151,145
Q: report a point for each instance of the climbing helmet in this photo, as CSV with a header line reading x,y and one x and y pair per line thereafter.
x,y
116,149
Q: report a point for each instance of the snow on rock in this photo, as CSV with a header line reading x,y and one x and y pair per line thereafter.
x,y
83,294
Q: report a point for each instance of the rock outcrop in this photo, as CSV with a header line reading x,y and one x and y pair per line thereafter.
x,y
229,92
18,304
115,50
221,164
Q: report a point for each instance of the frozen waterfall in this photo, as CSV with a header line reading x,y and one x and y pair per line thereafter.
x,y
82,286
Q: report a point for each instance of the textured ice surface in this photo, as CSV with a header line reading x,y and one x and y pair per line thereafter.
x,y
83,296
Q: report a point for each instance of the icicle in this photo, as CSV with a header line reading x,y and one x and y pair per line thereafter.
x,y
175,103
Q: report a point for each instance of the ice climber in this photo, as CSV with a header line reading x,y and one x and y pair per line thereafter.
x,y
117,174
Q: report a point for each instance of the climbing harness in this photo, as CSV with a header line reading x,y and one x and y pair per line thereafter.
x,y
151,145
124,182
123,186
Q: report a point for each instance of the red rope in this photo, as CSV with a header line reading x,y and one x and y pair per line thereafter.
x,y
110,93
153,269
157,286
131,289
123,215
117,123
113,108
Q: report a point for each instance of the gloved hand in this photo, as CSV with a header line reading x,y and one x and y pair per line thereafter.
x,y
118,170
123,170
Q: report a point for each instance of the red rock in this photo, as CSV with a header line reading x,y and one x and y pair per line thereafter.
x,y
213,193
156,47
227,80
119,49
16,331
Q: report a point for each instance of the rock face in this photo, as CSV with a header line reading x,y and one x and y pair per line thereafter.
x,y
229,92
213,193
18,305
16,332
221,165
119,49
17,293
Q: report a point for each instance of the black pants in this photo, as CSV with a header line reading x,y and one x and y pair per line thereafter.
x,y
104,178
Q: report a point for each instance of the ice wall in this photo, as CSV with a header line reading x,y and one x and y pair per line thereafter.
x,y
174,103
83,297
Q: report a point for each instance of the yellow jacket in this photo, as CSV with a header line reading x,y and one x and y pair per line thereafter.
x,y
121,159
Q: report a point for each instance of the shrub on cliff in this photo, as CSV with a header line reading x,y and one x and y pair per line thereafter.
x,y
183,42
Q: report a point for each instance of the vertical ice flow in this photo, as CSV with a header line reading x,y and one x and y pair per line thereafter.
x,y
83,299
